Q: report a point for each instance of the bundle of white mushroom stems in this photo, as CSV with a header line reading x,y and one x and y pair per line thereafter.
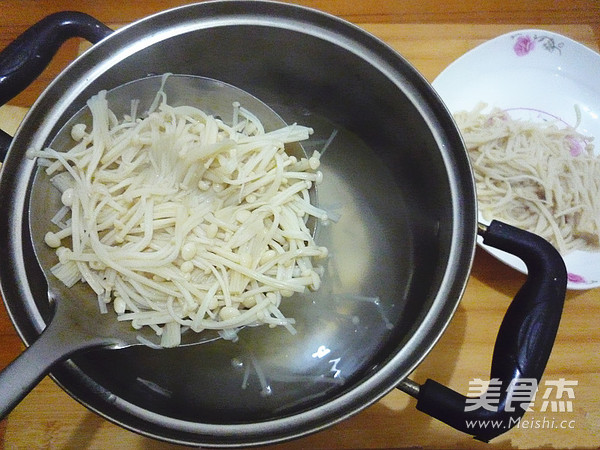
x,y
542,176
183,222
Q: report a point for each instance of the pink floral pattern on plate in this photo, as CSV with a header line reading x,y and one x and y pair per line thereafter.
x,y
574,278
525,44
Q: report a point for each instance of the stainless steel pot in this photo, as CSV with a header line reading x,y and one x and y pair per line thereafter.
x,y
395,171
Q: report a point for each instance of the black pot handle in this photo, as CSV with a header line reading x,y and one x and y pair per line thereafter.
x,y
27,56
5,140
522,348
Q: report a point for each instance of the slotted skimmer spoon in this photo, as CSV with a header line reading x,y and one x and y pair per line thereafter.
x,y
77,324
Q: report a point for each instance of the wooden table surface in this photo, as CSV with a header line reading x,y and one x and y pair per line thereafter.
x,y
430,34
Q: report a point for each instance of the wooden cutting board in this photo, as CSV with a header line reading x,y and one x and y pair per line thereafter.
x,y
49,418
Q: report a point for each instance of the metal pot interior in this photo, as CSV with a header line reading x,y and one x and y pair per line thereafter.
x,y
395,173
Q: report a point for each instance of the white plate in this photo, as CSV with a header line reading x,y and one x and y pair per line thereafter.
x,y
541,71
